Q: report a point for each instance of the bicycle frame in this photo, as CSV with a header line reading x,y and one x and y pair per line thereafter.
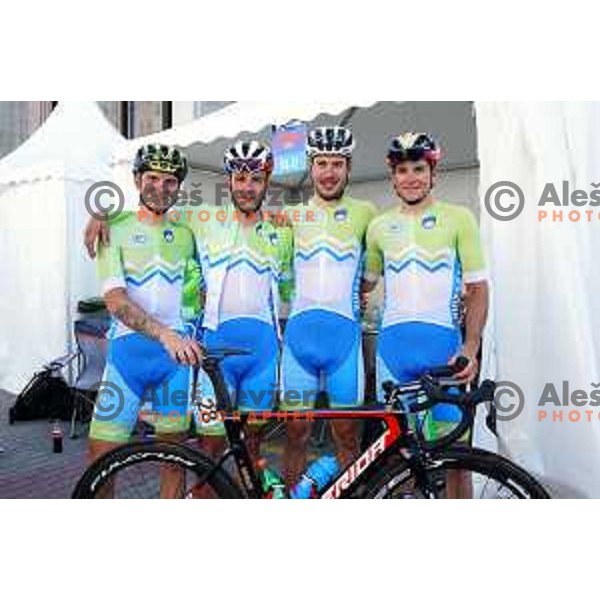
x,y
393,415
346,481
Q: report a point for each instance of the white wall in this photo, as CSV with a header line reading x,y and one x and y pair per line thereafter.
x,y
189,110
183,112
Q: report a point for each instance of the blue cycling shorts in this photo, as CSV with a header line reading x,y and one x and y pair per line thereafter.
x,y
407,351
140,373
322,352
252,380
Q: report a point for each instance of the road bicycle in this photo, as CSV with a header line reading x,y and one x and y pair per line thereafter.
x,y
401,463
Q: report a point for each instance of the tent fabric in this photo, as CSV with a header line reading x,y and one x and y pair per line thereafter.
x,y
240,117
545,285
44,271
228,123
72,143
373,123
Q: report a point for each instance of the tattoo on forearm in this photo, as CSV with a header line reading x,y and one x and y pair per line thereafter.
x,y
135,318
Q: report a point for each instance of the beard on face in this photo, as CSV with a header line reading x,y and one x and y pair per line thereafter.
x,y
157,203
414,202
252,202
154,205
336,194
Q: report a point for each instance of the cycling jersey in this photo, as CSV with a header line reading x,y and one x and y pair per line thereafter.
x,y
328,255
151,262
322,345
425,259
242,266
244,270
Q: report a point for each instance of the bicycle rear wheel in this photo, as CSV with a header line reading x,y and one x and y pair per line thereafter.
x,y
151,470
485,475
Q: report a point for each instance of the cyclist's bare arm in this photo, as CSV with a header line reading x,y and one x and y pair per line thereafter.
x,y
182,350
368,286
129,313
476,312
477,304
96,232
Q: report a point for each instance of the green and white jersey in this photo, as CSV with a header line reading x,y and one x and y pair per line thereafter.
x,y
151,262
243,267
328,255
425,258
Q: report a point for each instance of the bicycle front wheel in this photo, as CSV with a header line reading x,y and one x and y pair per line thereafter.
x,y
153,471
456,473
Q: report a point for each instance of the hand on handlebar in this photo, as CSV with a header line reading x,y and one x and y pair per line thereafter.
x,y
469,371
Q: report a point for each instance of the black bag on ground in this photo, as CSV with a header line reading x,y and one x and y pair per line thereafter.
x,y
46,396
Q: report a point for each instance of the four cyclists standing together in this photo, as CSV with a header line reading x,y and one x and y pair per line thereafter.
x,y
322,262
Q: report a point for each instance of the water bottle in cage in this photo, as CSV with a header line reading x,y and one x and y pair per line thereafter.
x,y
320,474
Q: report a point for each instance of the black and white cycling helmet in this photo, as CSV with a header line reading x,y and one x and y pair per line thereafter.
x,y
413,147
249,156
330,141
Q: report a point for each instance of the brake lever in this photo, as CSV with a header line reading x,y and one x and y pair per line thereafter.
x,y
487,391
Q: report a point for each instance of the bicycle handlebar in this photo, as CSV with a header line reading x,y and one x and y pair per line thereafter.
x,y
436,394
449,371
429,383
467,403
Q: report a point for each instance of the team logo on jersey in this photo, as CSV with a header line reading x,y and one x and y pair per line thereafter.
x,y
320,216
138,239
429,222
395,228
169,236
341,215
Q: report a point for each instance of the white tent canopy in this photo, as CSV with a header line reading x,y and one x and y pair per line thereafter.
x,y
44,271
373,123
249,117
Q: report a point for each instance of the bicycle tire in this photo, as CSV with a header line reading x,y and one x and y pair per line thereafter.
x,y
395,476
101,472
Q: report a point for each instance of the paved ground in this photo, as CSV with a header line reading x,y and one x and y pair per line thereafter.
x,y
29,468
